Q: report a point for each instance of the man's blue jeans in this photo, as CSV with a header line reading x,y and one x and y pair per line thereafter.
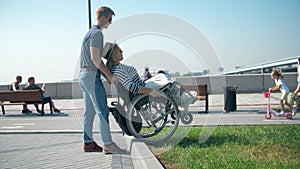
x,y
94,96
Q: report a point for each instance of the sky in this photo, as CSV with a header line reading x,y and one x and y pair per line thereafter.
x,y
42,38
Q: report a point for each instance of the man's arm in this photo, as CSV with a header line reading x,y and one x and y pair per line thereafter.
x,y
95,56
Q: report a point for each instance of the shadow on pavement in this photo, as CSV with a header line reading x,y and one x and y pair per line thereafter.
x,y
237,111
60,114
214,141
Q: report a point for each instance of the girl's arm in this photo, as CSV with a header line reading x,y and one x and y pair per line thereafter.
x,y
152,92
133,85
274,88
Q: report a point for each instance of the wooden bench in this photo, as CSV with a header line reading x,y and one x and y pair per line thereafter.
x,y
23,97
202,93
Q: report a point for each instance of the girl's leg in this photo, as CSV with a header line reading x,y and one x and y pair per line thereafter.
x,y
283,101
281,105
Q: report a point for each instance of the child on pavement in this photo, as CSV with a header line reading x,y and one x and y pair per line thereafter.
x,y
295,94
280,84
298,79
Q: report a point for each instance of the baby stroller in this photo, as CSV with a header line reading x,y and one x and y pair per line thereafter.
x,y
152,120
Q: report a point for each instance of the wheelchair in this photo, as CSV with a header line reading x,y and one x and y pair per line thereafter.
x,y
159,116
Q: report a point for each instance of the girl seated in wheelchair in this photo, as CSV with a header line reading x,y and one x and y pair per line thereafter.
x,y
130,79
145,116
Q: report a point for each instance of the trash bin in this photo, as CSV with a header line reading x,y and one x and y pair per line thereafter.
x,y
230,98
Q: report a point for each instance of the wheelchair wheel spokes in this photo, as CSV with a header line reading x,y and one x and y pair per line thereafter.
x,y
157,127
153,121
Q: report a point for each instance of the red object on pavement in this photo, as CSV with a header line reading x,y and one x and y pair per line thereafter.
x,y
266,94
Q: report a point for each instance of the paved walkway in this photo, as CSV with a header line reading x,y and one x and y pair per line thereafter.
x,y
54,141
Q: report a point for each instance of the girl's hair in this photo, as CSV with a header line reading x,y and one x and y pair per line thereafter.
x,y
113,59
277,73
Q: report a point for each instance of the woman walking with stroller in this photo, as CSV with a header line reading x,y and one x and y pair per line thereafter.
x,y
280,84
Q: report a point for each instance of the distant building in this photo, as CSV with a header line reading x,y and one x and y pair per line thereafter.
x,y
286,65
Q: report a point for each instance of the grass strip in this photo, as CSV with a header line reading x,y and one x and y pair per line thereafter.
x,y
263,146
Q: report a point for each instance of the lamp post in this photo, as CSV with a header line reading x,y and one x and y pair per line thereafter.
x,y
89,11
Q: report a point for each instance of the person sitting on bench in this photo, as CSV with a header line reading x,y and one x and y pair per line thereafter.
x,y
14,87
33,86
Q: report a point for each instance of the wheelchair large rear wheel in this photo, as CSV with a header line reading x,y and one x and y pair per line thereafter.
x,y
155,113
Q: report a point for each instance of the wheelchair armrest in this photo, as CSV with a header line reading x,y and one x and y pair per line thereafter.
x,y
169,86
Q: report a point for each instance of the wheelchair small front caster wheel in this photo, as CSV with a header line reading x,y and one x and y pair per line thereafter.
x,y
187,118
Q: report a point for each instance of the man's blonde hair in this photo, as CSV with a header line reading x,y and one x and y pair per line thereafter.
x,y
104,11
